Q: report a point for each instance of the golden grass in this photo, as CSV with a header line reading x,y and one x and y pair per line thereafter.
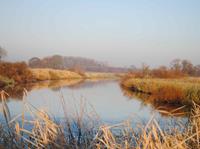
x,y
52,74
97,75
45,132
182,91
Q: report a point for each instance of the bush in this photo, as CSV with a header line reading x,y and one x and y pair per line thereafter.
x,y
19,72
163,72
6,82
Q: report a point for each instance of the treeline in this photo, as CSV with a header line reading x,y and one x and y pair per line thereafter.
x,y
178,68
72,63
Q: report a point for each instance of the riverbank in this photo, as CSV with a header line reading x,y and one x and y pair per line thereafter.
x,y
20,73
12,74
52,74
175,91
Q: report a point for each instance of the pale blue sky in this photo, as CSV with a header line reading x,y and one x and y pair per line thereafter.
x,y
120,32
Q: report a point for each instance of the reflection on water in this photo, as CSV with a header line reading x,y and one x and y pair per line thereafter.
x,y
111,102
165,109
17,92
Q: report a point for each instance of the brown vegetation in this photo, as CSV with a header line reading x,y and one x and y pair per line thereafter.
x,y
147,99
161,72
181,91
78,70
93,75
19,72
178,69
177,84
52,74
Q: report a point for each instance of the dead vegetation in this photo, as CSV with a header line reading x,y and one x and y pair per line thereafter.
x,y
18,72
180,91
83,131
52,74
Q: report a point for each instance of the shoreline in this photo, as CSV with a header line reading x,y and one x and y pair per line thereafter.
x,y
45,74
182,91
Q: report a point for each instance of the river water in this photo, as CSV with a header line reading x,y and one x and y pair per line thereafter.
x,y
105,98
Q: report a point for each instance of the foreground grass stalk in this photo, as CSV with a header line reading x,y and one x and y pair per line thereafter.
x,y
81,131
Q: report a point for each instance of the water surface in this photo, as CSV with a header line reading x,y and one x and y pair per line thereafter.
x,y
105,97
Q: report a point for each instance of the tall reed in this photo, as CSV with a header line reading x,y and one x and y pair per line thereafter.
x,y
83,131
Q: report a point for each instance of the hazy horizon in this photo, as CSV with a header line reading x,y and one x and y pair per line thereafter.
x,y
121,33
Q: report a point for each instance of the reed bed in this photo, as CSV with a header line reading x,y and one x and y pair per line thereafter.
x,y
52,74
180,91
174,110
97,75
85,131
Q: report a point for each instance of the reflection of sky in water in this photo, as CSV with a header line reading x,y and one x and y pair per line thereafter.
x,y
107,99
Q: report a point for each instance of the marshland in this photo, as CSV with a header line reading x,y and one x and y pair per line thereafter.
x,y
72,108
99,74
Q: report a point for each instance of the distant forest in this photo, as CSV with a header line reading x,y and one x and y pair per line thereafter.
x,y
73,63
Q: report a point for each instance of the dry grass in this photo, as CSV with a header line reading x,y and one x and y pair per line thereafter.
x,y
18,73
53,74
42,131
174,110
98,75
182,91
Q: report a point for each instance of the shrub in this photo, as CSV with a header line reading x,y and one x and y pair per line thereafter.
x,y
6,82
163,72
19,71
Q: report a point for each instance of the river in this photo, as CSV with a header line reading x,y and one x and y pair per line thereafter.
x,y
105,98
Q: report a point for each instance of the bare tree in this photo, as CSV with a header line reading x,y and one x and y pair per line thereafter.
x,y
176,65
3,53
34,62
145,70
187,67
197,70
